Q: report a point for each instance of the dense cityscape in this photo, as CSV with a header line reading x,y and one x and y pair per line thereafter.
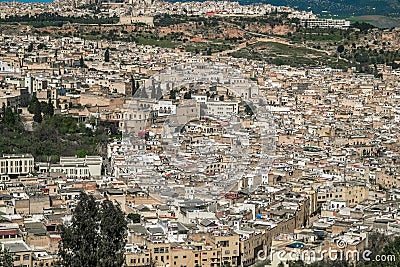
x,y
189,134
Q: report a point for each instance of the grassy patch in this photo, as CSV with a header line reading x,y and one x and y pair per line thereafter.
x,y
207,47
283,54
155,42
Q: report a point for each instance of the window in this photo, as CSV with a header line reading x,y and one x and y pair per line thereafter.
x,y
26,257
224,243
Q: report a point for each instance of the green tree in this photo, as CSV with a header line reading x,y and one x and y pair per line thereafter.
x,y
107,55
82,62
208,52
44,107
37,117
340,49
249,109
30,48
50,108
172,94
35,108
47,108
134,217
113,232
187,95
9,117
34,105
42,46
390,249
79,241
96,236
81,153
6,258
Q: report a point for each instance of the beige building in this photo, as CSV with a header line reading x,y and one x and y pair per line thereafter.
x,y
32,204
138,259
351,192
252,244
20,251
128,20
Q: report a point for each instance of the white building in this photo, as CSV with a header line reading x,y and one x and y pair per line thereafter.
x,y
16,164
165,107
74,167
200,98
325,23
222,108
5,67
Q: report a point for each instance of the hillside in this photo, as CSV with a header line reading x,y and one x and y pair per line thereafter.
x,y
342,8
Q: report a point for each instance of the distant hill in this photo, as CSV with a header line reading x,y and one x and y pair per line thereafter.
x,y
342,8
378,21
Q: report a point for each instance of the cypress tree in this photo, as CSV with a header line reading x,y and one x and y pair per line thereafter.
x,y
107,55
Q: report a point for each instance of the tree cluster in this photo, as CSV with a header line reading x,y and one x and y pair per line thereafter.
x,y
96,236
9,118
40,109
54,19
55,136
